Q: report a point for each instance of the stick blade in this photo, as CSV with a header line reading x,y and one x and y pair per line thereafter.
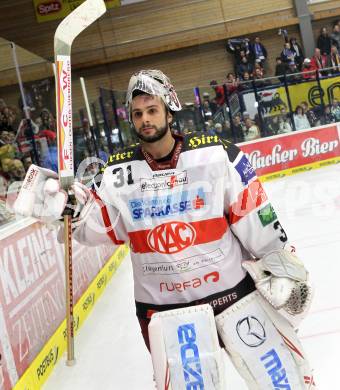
x,y
77,21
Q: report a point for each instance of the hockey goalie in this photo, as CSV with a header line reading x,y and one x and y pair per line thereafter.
x,y
212,265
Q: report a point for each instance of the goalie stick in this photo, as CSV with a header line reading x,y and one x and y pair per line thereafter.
x,y
82,17
89,115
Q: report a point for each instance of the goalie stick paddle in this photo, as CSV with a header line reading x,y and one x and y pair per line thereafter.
x,y
76,22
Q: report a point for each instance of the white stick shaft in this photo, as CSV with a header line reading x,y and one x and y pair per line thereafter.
x,y
21,87
88,110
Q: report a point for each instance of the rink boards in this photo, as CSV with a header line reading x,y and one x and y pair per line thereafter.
x,y
51,354
299,151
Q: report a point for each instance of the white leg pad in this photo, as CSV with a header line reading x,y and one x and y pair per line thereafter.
x,y
185,350
263,346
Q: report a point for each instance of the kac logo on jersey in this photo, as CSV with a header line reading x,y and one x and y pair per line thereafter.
x,y
171,237
245,170
277,373
190,357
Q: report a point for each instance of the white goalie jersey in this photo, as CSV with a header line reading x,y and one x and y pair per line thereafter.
x,y
189,227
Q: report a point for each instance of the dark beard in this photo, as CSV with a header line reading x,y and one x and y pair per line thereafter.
x,y
160,133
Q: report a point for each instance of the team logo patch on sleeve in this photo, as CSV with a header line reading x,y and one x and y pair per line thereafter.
x,y
267,215
245,170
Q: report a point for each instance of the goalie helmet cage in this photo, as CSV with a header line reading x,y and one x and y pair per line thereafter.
x,y
76,22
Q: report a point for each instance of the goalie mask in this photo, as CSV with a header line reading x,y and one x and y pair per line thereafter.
x,y
152,82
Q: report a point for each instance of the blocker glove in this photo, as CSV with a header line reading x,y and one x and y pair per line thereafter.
x,y
42,197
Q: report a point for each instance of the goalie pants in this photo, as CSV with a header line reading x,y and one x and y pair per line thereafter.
x,y
219,302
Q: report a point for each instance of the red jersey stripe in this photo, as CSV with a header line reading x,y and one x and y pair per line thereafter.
x,y
205,231
248,200
106,220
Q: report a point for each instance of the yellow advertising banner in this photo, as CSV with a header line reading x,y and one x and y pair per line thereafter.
x,y
310,92
271,100
47,10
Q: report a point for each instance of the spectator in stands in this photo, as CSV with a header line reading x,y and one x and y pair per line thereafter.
x,y
258,52
324,42
333,61
280,68
296,48
13,169
300,119
218,130
245,115
307,72
335,36
8,147
292,73
7,119
212,104
238,127
335,109
287,54
283,112
219,92
328,117
246,81
318,61
244,66
6,137
273,125
311,116
207,112
258,77
239,47
285,125
227,130
17,170
258,70
250,130
47,120
232,83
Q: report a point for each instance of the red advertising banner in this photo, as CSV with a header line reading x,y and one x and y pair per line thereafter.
x,y
273,154
5,380
32,293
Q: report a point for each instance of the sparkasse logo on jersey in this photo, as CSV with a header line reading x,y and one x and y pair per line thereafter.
x,y
168,205
164,183
171,237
